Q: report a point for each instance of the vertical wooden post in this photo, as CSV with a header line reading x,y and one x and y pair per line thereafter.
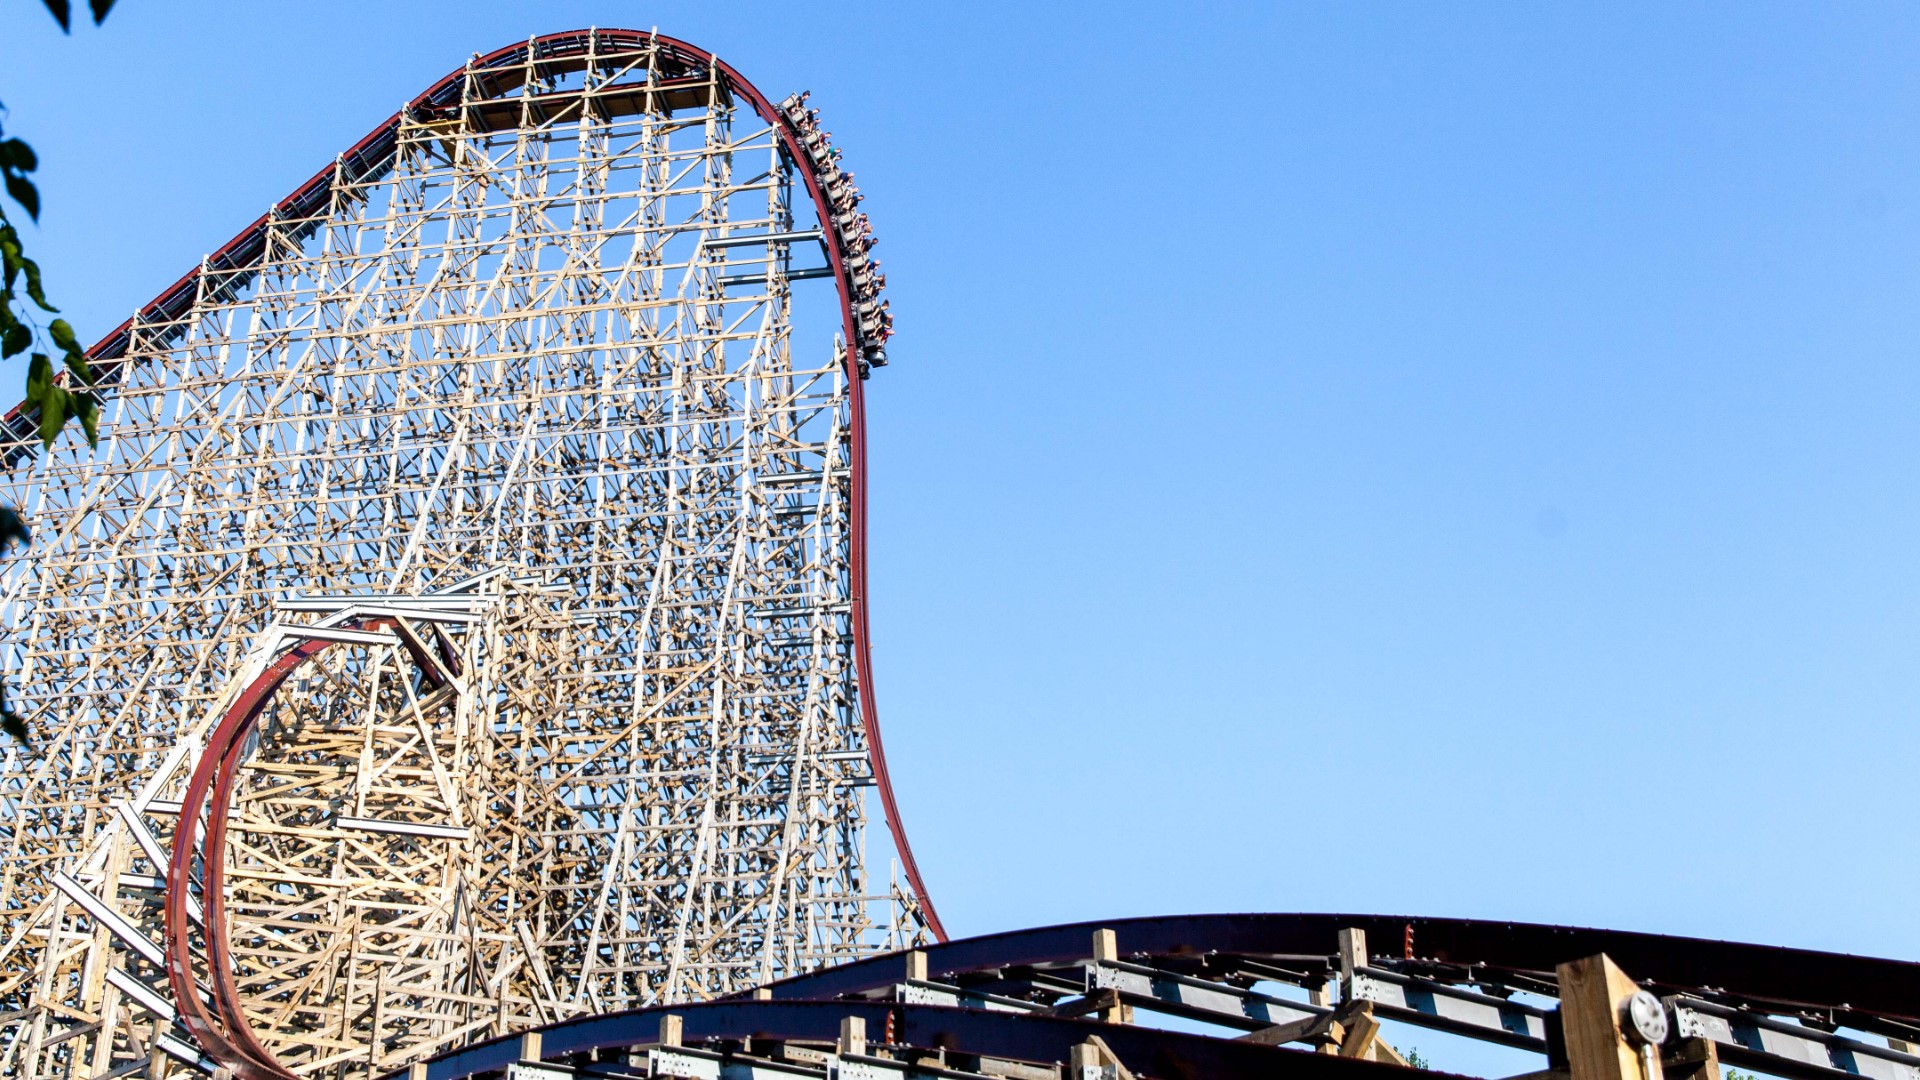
x,y
417,1071
109,1009
373,1023
1352,947
916,966
1323,996
1593,992
1106,947
1095,1060
530,1047
1083,1062
156,1057
1353,957
671,1027
853,1036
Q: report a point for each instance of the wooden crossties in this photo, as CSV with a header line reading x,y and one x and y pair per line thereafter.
x,y
517,348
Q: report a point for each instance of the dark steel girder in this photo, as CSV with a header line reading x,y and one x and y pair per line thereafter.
x,y
1026,1037
1795,980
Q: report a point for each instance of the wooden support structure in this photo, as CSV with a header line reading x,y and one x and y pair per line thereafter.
x,y
1593,994
1095,1060
853,1036
1362,1032
1110,1010
1352,950
1695,1059
549,331
1351,1030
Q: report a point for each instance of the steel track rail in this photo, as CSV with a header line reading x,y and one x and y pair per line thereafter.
x,y
1146,1051
1783,979
1006,1005
1007,999
222,1030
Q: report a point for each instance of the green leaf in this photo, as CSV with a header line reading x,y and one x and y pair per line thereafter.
x,y
10,251
100,9
61,13
32,270
77,363
62,335
15,153
89,413
25,194
53,414
11,722
39,377
17,338
13,528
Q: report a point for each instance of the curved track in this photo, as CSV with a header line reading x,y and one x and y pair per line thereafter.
x,y
222,1029
978,1032
1017,996
1760,976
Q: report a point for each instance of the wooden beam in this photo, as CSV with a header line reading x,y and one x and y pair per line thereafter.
x,y
1360,1036
853,1036
1697,1059
1106,949
1593,991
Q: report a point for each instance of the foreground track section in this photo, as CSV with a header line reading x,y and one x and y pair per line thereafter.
x,y
522,452
1023,1005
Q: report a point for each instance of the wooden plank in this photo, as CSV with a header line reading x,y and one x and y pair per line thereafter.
x,y
1593,991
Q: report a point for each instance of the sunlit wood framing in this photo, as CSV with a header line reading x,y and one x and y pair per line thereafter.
x,y
540,341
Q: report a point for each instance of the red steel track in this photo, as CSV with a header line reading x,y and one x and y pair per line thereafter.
x,y
226,1037
222,1030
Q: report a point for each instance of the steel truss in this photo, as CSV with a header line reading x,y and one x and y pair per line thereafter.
x,y
469,589
1023,1005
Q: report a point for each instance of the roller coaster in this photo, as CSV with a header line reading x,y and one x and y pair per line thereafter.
x,y
454,661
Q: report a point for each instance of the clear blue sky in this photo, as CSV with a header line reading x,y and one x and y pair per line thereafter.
x,y
1454,459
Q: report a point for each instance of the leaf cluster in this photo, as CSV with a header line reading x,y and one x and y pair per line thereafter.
x,y
57,399
62,12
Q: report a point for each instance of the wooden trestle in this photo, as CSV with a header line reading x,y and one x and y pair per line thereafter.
x,y
529,381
